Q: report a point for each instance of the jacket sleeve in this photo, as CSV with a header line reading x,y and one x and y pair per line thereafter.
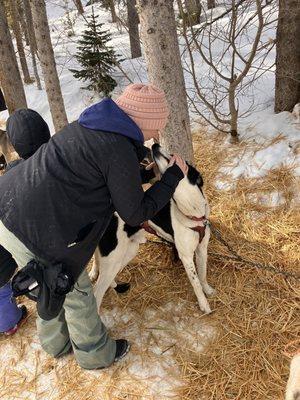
x,y
146,175
124,182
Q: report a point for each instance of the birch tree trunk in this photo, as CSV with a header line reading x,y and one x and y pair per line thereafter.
x,y
112,8
287,84
47,60
29,20
159,38
211,4
11,81
193,9
133,26
32,42
17,31
23,23
79,7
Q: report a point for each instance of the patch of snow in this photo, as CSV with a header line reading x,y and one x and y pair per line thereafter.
x,y
257,164
151,362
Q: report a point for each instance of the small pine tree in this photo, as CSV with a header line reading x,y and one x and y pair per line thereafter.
x,y
96,58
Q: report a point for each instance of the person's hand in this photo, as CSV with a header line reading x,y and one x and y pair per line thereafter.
x,y
176,159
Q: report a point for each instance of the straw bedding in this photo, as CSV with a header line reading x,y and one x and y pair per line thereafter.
x,y
234,353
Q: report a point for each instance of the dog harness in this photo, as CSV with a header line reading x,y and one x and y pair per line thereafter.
x,y
200,229
145,225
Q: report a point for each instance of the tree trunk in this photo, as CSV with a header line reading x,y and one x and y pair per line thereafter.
x,y
48,64
111,6
287,84
233,113
11,81
79,7
159,37
211,4
32,42
23,23
193,12
133,26
17,31
28,16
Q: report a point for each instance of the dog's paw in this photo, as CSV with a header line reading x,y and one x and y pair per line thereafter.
x,y
206,310
205,307
209,291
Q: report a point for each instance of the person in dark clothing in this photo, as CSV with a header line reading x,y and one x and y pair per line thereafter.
x,y
35,132
27,131
55,207
2,162
11,315
3,106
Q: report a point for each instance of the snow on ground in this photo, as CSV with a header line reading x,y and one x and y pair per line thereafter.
x,y
260,125
149,366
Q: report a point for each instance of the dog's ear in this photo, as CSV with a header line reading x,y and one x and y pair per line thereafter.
x,y
200,181
194,176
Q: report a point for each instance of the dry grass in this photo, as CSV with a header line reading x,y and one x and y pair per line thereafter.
x,y
255,312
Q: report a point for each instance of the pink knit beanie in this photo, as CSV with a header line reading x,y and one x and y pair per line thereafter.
x,y
146,105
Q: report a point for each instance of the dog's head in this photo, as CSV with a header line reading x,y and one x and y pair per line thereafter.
x,y
6,148
189,195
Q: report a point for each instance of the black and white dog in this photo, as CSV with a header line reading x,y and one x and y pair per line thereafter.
x,y
183,221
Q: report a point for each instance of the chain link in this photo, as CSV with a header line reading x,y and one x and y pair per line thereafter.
x,y
236,257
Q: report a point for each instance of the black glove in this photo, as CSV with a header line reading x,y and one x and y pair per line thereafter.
x,y
47,285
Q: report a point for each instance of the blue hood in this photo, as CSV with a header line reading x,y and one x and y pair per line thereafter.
x,y
108,117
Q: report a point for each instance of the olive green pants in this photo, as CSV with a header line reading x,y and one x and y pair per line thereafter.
x,y
78,324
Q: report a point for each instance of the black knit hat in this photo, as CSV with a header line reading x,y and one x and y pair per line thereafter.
x,y
27,131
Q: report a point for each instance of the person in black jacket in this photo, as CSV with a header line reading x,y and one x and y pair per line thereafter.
x,y
35,132
11,315
55,207
3,106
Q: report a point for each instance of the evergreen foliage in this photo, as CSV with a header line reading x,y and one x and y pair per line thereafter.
x,y
96,58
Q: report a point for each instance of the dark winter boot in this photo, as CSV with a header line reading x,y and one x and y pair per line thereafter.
x,y
122,348
122,287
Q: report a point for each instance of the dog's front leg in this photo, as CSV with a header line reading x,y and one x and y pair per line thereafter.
x,y
96,266
106,278
293,385
114,284
201,262
193,277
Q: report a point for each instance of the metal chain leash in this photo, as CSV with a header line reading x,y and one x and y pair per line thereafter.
x,y
236,257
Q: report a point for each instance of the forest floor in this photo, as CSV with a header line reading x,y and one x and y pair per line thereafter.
x,y
177,352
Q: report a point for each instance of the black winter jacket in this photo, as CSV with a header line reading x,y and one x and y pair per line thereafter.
x,y
27,131
60,201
